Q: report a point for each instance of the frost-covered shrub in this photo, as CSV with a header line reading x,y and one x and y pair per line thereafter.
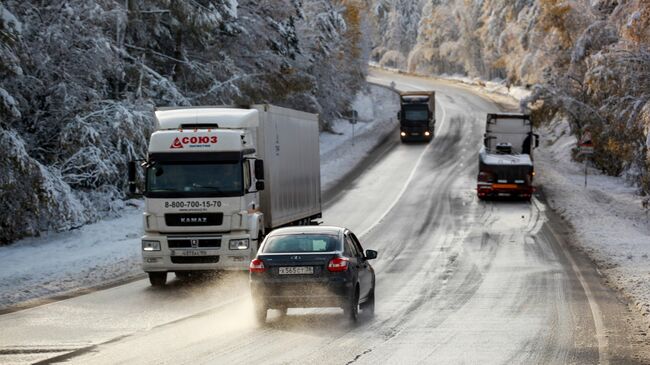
x,y
33,197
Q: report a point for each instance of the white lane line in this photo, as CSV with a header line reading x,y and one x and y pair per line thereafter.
x,y
415,168
596,313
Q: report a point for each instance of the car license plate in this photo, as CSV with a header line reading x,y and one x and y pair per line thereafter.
x,y
189,253
504,194
296,270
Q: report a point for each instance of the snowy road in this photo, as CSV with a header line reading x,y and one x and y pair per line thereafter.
x,y
458,281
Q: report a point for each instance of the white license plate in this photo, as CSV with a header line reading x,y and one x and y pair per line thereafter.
x,y
504,194
296,270
190,253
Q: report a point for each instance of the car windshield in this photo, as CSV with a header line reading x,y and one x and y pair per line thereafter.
x,y
302,243
195,179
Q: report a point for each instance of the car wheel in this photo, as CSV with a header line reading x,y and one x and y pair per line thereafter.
x,y
352,307
368,307
260,312
158,278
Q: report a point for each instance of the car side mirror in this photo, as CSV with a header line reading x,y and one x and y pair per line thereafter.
x,y
259,185
399,115
371,254
536,141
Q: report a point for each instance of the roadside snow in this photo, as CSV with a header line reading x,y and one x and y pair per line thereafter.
x,y
492,87
340,151
109,251
609,221
53,264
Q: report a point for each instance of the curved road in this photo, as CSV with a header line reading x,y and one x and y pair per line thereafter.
x,y
458,281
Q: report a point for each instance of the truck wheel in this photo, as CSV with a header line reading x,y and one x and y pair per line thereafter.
x,y
260,311
158,278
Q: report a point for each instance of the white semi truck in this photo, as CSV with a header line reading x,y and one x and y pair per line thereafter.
x,y
506,158
218,179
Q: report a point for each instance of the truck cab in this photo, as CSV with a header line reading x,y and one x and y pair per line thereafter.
x,y
202,184
209,199
417,115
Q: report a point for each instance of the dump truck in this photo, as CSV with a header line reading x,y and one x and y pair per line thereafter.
x,y
506,158
218,179
417,115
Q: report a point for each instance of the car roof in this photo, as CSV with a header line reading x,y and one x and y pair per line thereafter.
x,y
308,229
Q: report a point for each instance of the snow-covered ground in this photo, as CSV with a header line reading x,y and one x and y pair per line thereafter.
x,y
341,151
108,252
610,222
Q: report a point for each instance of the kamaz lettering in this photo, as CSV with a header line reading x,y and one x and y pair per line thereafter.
x,y
194,220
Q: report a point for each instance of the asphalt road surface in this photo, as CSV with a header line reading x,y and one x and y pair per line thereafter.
x,y
459,281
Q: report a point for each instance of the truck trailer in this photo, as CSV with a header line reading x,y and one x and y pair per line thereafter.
x,y
417,115
506,159
218,179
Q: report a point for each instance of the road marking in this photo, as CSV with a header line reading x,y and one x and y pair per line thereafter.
x,y
412,174
596,313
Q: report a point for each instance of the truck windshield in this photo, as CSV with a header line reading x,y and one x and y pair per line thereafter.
x,y
416,114
166,180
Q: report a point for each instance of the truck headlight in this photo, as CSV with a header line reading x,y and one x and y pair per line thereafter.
x,y
150,245
240,244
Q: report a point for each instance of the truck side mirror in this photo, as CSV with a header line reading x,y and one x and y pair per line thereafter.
x,y
132,177
259,185
259,170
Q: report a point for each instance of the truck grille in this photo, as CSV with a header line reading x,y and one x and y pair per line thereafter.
x,y
512,173
195,259
193,219
194,242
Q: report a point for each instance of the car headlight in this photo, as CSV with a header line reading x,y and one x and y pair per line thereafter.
x,y
240,244
150,245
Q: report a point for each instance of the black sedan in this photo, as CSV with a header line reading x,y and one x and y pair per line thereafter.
x,y
303,267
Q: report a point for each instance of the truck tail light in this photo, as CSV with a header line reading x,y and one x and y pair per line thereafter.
x,y
257,265
338,264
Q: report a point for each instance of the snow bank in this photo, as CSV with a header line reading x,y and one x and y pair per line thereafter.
x,y
609,221
493,87
341,151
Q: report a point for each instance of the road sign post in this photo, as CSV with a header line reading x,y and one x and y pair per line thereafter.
x,y
587,151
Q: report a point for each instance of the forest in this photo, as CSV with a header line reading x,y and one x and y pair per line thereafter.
x,y
587,62
79,80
